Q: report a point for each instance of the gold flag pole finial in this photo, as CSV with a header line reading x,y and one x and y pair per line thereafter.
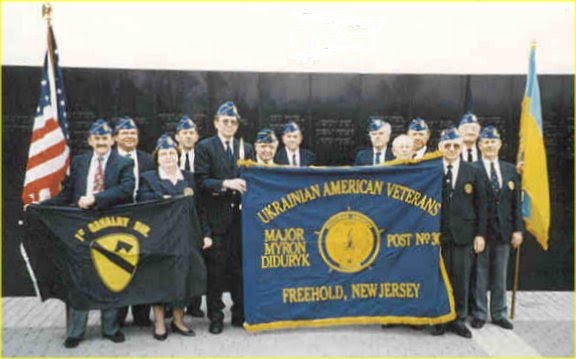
x,y
533,43
47,12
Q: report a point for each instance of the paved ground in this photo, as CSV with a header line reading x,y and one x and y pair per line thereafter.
x,y
544,327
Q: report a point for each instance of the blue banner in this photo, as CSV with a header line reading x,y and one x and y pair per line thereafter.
x,y
343,245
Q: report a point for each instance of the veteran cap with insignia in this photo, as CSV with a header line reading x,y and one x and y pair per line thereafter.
x,y
490,133
266,136
125,123
469,117
418,124
165,142
375,123
290,127
100,127
449,134
185,123
228,109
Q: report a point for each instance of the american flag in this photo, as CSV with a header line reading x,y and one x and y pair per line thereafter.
x,y
49,154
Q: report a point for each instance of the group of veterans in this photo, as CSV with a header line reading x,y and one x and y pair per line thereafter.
x,y
480,218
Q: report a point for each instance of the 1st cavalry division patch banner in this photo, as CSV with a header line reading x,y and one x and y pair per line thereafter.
x,y
347,245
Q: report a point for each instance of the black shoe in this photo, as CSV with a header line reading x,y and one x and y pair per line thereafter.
x,y
188,332
195,312
117,337
71,342
438,329
477,323
160,337
239,323
216,327
503,323
460,329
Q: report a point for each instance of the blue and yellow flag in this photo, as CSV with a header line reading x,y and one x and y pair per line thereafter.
x,y
343,245
536,196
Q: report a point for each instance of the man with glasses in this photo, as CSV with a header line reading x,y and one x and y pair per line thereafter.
x,y
462,224
217,175
265,146
504,230
379,132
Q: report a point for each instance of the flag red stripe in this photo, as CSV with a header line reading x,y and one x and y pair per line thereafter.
x,y
51,181
49,126
46,155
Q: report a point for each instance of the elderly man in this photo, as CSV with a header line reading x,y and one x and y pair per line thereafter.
x,y
419,131
504,230
463,224
292,154
469,128
265,146
126,135
403,147
98,180
379,132
217,175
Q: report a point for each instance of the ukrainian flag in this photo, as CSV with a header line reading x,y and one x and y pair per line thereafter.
x,y
536,197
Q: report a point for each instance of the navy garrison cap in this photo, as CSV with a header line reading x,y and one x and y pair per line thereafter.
x,y
266,136
228,109
185,123
376,123
100,127
418,124
469,117
290,127
490,133
165,142
125,123
449,134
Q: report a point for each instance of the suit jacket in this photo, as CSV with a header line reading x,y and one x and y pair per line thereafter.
x,y
118,182
307,157
468,206
152,187
366,157
145,162
504,207
211,168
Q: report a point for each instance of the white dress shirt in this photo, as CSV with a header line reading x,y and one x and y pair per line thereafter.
x,y
190,158
455,167
291,154
464,153
496,167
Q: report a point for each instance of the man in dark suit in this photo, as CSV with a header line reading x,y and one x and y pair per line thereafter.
x,y
98,180
469,128
187,137
217,175
126,137
420,133
379,132
504,229
463,224
292,154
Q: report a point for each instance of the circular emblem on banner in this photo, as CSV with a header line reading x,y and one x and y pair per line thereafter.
x,y
349,241
188,191
468,188
115,257
511,185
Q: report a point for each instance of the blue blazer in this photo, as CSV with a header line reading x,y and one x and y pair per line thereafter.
x,y
504,207
307,157
118,182
366,157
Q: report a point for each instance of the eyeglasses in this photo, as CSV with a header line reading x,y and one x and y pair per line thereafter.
x,y
450,145
229,122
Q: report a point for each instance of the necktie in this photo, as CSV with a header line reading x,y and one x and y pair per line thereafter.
x,y
494,178
377,160
446,199
129,155
98,177
229,151
294,160
469,155
448,179
187,162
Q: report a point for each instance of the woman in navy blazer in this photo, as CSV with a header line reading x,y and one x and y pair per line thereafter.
x,y
167,181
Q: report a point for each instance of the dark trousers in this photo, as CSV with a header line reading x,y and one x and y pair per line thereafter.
x,y
140,313
492,271
78,319
223,260
458,261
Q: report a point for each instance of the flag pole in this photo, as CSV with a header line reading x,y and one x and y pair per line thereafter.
x,y
515,285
